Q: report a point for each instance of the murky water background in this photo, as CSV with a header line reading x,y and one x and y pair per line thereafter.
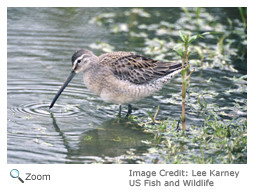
x,y
82,128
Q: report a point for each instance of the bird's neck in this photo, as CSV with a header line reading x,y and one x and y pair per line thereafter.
x,y
92,78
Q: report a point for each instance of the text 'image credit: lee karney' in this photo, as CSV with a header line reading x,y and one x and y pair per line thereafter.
x,y
178,177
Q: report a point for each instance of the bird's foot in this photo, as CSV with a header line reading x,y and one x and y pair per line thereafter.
x,y
129,110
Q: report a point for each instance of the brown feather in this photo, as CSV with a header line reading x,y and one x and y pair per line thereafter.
x,y
136,68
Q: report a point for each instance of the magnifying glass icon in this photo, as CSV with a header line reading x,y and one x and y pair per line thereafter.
x,y
15,174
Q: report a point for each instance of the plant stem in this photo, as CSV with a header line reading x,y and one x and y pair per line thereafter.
x,y
183,109
184,59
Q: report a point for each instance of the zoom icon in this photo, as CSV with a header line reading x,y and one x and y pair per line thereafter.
x,y
15,174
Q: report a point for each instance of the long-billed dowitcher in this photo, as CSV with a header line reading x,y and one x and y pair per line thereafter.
x,y
120,77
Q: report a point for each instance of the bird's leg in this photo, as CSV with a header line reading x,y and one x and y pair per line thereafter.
x,y
129,110
120,109
177,128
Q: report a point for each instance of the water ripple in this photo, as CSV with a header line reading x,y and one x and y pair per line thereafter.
x,y
42,109
40,96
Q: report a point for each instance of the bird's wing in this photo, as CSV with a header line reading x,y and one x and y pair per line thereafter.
x,y
136,68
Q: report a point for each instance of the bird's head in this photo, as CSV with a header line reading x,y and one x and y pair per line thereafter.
x,y
81,60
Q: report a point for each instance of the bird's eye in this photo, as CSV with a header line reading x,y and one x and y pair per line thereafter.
x,y
79,61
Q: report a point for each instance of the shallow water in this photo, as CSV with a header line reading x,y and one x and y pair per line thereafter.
x,y
81,128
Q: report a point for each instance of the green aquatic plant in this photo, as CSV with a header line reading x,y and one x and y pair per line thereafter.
x,y
243,12
153,117
103,46
184,54
88,138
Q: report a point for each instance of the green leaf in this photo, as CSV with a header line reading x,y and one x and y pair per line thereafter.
x,y
178,45
198,12
186,11
187,37
206,33
154,117
48,144
149,113
179,51
201,104
243,77
209,80
192,38
201,35
182,35
183,71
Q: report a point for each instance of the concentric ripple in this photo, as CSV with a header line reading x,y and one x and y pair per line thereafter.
x,y
41,109
33,97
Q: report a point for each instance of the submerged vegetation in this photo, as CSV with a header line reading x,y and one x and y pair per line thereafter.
x,y
220,132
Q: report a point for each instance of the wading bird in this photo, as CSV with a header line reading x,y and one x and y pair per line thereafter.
x,y
120,77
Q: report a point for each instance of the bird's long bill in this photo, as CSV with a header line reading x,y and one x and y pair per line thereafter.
x,y
69,78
